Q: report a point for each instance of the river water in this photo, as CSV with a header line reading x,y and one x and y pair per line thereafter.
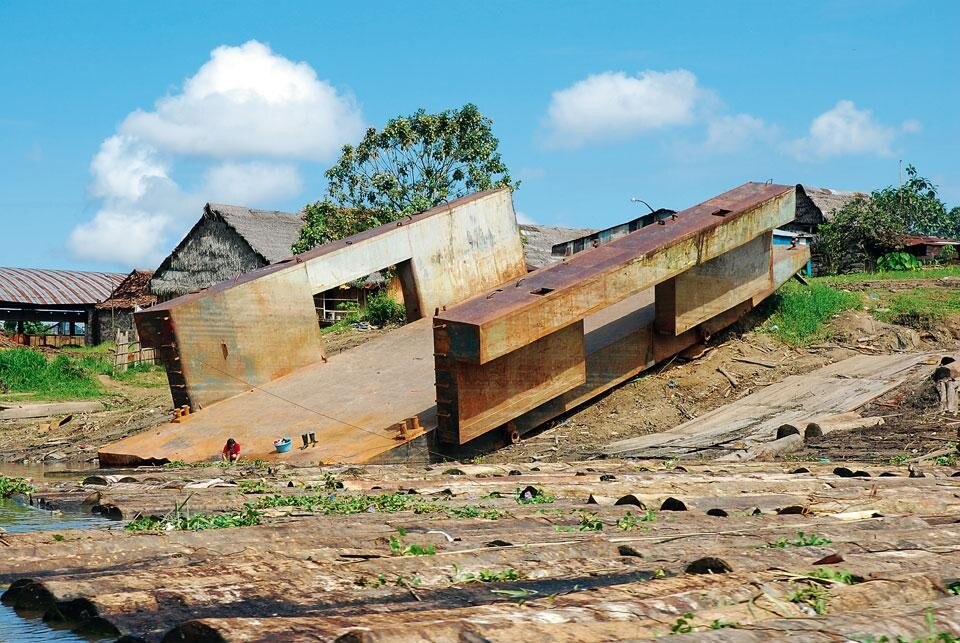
x,y
19,518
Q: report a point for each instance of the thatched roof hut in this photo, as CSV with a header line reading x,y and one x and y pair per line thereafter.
x,y
227,241
538,241
817,205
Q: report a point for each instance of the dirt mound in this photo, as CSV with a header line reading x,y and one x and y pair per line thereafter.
x,y
861,330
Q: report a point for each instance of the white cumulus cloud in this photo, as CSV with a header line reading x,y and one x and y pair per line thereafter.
x,y
248,100
246,117
845,130
613,104
251,183
731,133
126,236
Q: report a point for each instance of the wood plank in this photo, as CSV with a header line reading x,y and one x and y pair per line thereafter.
x,y
837,388
21,411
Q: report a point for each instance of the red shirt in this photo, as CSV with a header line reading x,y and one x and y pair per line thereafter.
x,y
235,451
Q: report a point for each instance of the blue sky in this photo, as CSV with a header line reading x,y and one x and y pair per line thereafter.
x,y
119,120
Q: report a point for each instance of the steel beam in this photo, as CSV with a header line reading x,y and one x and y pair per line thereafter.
x,y
499,322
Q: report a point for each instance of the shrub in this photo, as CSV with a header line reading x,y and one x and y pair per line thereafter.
x,y
898,261
382,310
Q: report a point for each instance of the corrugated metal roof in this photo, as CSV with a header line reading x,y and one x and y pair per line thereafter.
x,y
56,287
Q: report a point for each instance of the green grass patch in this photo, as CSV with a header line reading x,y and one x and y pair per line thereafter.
x,y
23,370
799,312
891,275
922,308
69,375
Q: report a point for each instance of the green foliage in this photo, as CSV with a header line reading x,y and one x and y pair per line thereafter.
x,y
414,163
629,522
814,596
684,625
866,228
347,505
59,538
24,370
382,310
399,548
718,624
14,486
588,522
183,521
486,576
802,540
475,511
532,497
799,312
399,581
859,277
949,253
835,575
252,486
71,374
899,260
29,327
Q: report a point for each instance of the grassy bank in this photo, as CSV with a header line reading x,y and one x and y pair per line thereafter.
x,y
71,374
893,275
798,315
921,308
800,312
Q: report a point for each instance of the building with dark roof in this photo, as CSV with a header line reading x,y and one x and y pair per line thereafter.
x,y
116,312
226,242
55,296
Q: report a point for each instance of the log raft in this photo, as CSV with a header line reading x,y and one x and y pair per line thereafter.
x,y
623,550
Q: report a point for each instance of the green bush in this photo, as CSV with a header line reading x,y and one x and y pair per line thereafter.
x,y
947,255
382,310
898,261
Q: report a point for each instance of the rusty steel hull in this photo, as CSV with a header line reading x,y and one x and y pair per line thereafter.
x,y
510,359
496,323
709,266
246,332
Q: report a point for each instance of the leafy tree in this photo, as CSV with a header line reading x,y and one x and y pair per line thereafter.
x,y
30,328
867,228
413,164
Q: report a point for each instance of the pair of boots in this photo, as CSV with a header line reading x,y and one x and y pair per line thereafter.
x,y
312,439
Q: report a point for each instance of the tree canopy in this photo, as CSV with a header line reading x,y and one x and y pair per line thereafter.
x,y
414,163
868,228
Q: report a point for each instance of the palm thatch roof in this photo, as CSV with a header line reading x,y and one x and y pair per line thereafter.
x,y
828,201
540,239
269,232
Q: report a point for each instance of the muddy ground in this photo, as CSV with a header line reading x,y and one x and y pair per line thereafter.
x,y
129,408
662,398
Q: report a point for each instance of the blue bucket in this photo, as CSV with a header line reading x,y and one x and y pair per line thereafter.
x,y
282,445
